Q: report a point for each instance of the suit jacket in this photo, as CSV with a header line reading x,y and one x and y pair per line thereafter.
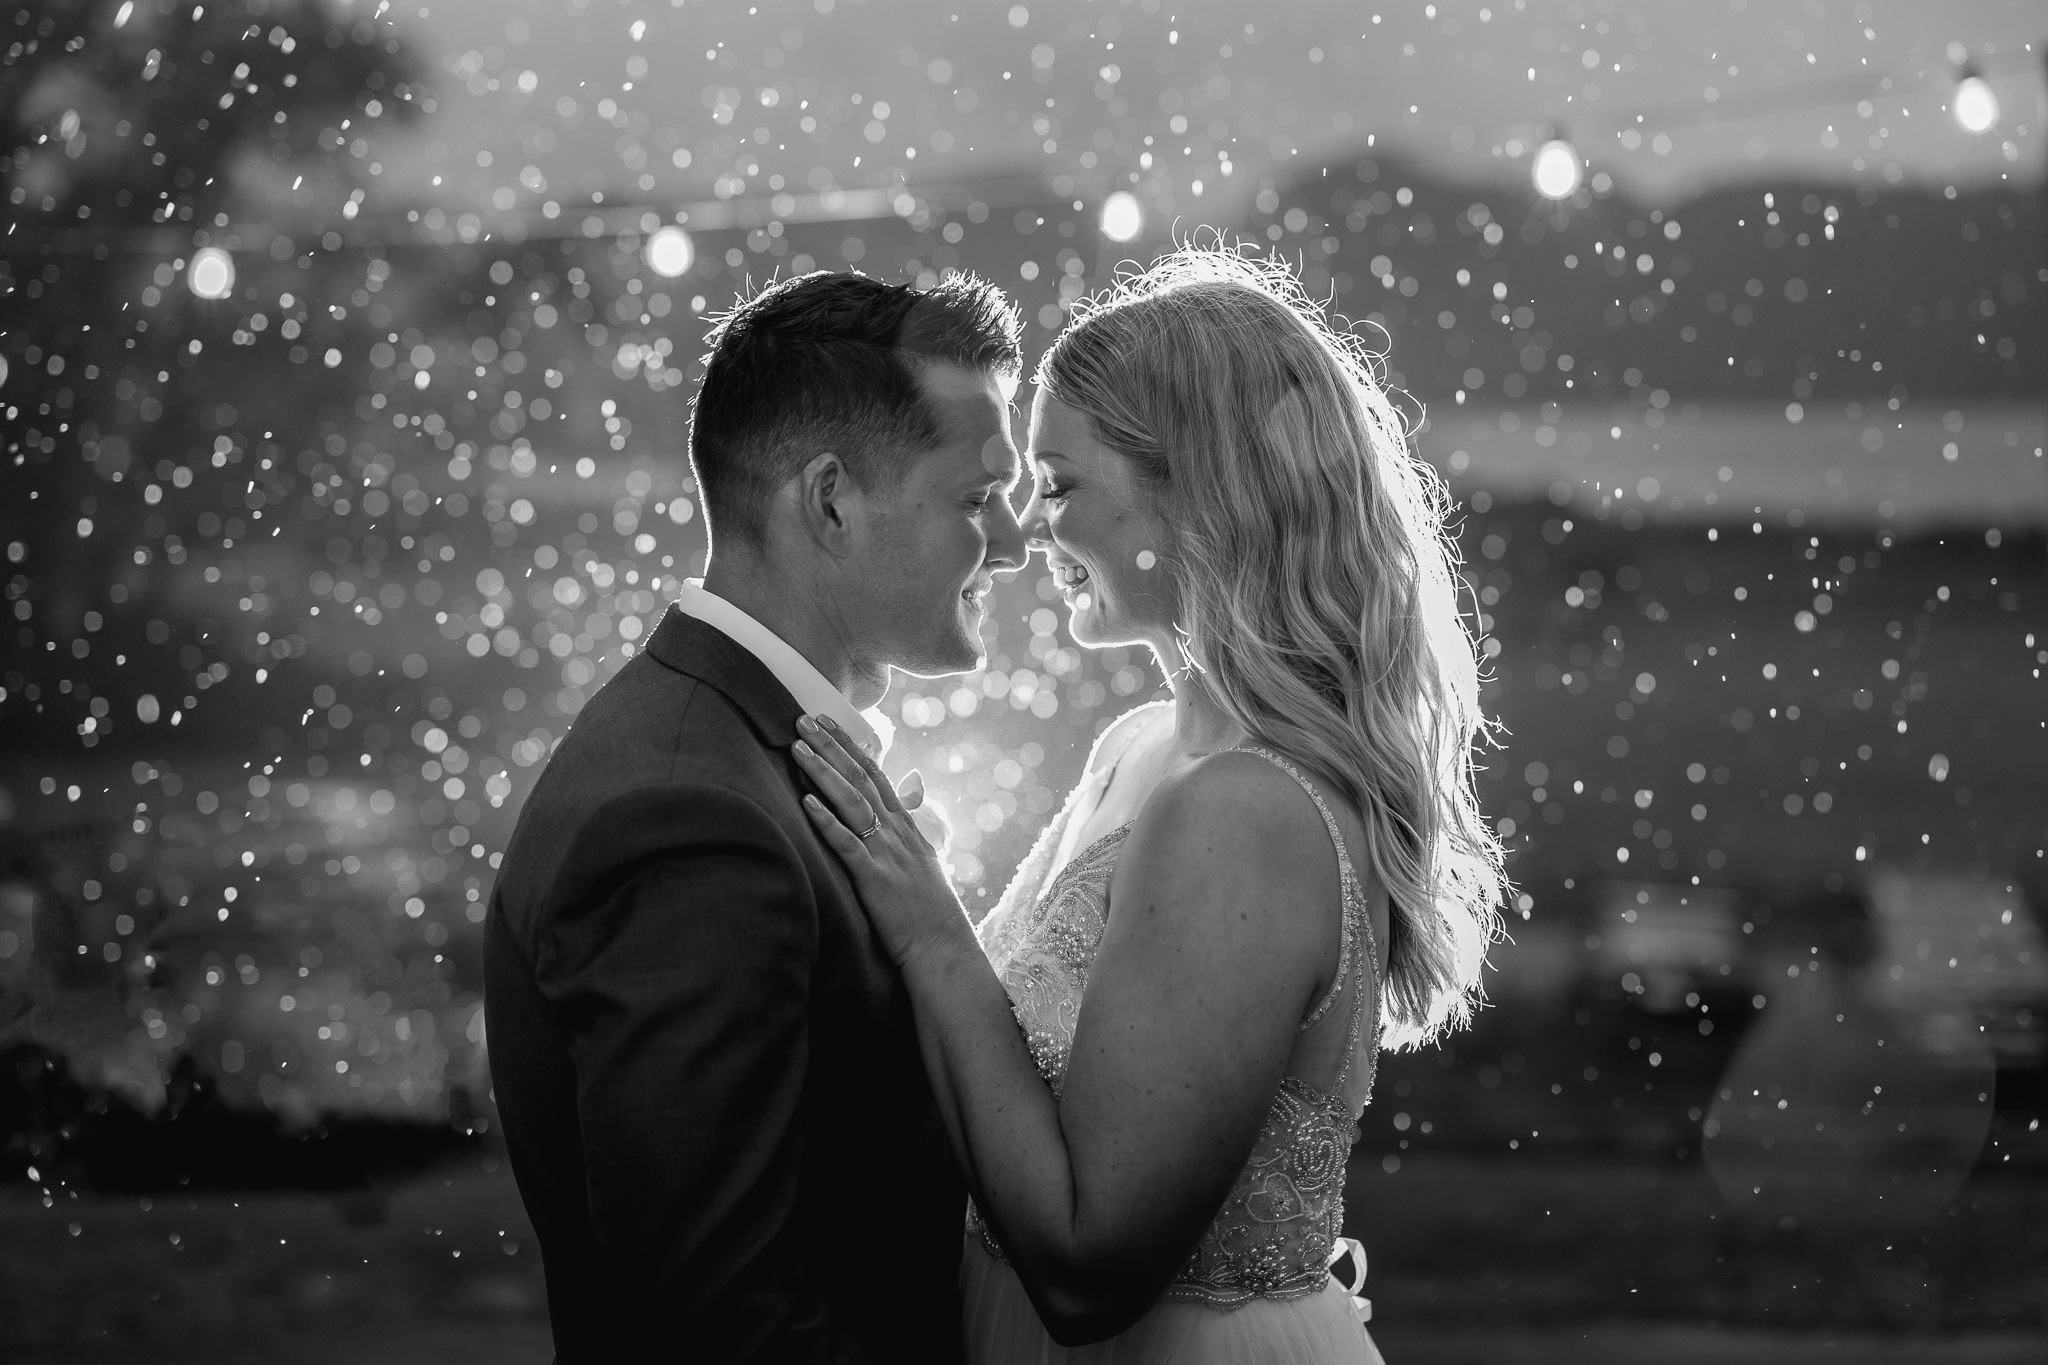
x,y
705,1064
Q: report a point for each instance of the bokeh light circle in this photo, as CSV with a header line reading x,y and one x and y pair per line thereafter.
x,y
1557,169
212,273
1121,217
670,252
1975,105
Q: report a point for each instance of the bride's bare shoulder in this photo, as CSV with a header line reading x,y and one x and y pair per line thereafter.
x,y
1240,806
1231,844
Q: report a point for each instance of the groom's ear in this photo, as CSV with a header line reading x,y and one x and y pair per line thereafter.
x,y
828,504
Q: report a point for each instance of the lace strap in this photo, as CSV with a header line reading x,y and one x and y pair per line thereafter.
x,y
1130,737
1033,876
1029,878
1347,877
1098,778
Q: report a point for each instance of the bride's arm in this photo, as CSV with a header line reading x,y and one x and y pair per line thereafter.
x,y
1208,962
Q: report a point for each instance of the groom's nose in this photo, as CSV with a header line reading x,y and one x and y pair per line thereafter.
x,y
1007,549
1031,523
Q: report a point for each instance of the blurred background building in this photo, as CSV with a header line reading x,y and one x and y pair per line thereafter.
x,y
346,352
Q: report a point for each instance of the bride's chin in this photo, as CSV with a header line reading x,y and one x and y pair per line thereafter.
x,y
1090,628
1083,614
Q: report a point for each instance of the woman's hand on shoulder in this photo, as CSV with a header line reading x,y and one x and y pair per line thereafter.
x,y
1207,965
873,829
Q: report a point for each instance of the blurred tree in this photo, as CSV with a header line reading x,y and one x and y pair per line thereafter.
x,y
156,153
242,542
182,310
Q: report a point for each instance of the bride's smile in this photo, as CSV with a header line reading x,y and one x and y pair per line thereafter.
x,y
1095,523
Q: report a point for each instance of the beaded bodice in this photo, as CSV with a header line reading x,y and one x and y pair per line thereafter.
x,y
1275,1233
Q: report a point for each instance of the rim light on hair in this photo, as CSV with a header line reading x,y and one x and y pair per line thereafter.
x,y
1315,578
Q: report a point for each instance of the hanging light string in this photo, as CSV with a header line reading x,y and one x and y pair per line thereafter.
x,y
1557,170
1558,166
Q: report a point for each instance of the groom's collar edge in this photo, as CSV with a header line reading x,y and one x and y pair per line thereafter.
x,y
703,651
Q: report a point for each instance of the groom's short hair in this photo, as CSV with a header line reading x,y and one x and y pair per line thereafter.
x,y
829,362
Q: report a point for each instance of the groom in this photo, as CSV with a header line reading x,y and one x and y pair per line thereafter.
x,y
706,1066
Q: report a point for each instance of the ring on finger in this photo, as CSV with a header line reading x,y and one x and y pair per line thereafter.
x,y
870,830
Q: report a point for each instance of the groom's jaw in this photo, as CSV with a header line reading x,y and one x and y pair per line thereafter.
x,y
952,643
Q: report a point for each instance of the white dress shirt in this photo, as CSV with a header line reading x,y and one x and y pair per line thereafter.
x,y
813,691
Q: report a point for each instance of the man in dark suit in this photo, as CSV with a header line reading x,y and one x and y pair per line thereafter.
x,y
706,1066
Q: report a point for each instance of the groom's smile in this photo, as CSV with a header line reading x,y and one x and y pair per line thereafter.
x,y
940,541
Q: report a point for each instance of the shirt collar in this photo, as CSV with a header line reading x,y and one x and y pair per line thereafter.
x,y
813,691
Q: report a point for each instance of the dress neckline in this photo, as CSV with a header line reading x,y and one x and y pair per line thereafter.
x,y
1082,855
1101,779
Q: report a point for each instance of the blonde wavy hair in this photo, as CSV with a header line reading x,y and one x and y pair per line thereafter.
x,y
1317,583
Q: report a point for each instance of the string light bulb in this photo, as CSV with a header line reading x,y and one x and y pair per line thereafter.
x,y
1122,219
1975,105
212,273
670,252
1556,170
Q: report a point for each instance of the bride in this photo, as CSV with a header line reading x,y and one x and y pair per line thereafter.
x,y
1151,1056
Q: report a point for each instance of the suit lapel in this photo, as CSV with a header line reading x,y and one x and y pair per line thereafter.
x,y
706,653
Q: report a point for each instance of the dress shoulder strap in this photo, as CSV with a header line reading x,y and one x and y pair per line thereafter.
x,y
1134,722
1356,922
1111,748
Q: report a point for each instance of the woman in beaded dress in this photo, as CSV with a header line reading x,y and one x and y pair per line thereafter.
x,y
1152,1054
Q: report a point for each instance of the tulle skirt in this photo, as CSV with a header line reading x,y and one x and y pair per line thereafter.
x,y
1002,1328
